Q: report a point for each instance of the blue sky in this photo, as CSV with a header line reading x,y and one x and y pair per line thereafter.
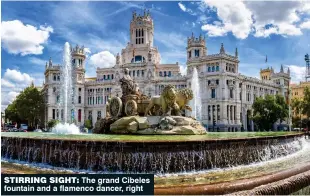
x,y
34,31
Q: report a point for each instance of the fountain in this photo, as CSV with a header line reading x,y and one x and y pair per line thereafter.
x,y
196,101
66,93
150,135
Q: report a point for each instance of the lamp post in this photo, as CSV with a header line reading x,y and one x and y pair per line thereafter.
x,y
307,59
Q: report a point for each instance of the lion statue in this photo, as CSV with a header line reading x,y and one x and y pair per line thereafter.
x,y
183,96
166,101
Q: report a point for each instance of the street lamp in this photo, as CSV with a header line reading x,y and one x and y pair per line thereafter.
x,y
307,59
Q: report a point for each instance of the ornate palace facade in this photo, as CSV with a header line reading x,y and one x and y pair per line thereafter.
x,y
227,95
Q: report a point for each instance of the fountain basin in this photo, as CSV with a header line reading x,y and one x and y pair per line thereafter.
x,y
149,154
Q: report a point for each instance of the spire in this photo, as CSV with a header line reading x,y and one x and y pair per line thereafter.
x,y
46,65
288,71
222,51
236,53
192,34
281,69
50,63
266,59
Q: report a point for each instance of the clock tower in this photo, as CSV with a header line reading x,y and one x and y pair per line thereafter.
x,y
141,30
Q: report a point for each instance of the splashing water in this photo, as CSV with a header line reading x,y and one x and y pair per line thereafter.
x,y
66,128
66,93
196,101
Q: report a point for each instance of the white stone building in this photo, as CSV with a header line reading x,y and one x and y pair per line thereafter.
x,y
227,95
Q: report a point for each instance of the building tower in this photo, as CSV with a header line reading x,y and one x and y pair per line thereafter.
x,y
196,47
78,64
307,67
141,30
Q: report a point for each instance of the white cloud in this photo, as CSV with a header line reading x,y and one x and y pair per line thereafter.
x,y
8,98
297,73
102,59
171,40
235,18
258,17
18,38
305,25
16,76
5,83
182,7
12,83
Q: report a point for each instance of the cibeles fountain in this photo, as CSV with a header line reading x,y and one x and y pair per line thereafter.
x,y
144,134
135,113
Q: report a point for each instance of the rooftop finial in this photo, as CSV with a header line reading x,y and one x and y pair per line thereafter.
x,y
266,59
236,53
281,69
50,63
222,51
288,71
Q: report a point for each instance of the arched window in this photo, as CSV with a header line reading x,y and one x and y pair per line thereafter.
x,y
165,74
169,74
213,68
160,74
217,68
209,69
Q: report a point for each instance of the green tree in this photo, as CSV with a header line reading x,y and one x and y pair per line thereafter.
x,y
297,107
11,113
52,123
268,110
306,104
28,106
88,124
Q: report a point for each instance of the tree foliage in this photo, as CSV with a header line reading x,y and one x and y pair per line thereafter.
x,y
269,110
306,103
28,106
88,124
52,123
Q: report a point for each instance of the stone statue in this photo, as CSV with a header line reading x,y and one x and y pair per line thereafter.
x,y
129,87
150,56
183,97
167,102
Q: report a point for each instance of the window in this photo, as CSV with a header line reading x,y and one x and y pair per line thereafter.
x,y
80,89
217,82
53,113
142,73
62,114
169,74
57,99
108,77
54,75
189,54
58,77
217,68
133,73
79,115
138,73
165,74
240,96
79,99
160,74
90,114
209,69
104,77
196,53
231,93
213,93
112,76
213,69
98,114
54,89
209,82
